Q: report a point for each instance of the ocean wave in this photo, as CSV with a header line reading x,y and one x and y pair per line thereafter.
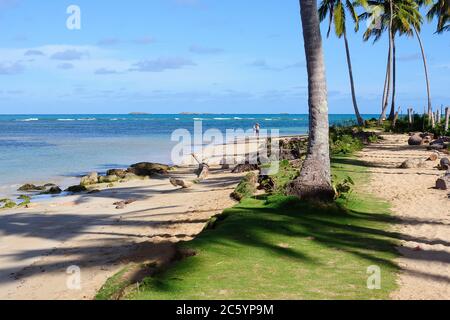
x,y
221,118
65,119
28,120
237,118
87,119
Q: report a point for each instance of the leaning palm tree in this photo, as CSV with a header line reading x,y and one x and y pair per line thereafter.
x,y
337,16
314,181
398,17
441,10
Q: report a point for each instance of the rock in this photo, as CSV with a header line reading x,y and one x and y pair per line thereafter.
x,y
117,172
51,189
433,157
240,168
444,182
30,187
435,147
131,176
108,179
148,168
246,188
413,163
92,178
7,204
445,164
94,191
181,183
415,140
76,189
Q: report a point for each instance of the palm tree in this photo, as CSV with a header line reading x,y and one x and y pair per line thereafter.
x,y
314,181
400,17
441,10
336,11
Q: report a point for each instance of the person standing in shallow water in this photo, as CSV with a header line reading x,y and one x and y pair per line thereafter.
x,y
256,129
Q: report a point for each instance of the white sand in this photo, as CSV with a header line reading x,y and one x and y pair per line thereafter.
x,y
423,213
38,244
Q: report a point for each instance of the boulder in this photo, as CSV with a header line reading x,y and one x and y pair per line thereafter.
x,y
108,179
131,176
240,168
444,182
76,189
7,204
30,187
92,178
413,163
246,188
51,189
415,140
445,164
121,173
148,168
435,147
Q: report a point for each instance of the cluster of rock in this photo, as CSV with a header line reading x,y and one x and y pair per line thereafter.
x,y
48,188
134,172
422,138
440,146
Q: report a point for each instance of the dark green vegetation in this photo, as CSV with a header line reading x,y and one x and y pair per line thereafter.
x,y
246,188
421,123
278,247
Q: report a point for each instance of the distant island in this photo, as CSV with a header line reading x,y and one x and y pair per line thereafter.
x,y
194,113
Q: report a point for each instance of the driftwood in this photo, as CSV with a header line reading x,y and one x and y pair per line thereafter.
x,y
203,169
181,183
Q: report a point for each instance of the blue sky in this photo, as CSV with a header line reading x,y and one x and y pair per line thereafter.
x,y
169,56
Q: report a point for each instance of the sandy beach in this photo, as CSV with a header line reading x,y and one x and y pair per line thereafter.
x,y
39,244
422,212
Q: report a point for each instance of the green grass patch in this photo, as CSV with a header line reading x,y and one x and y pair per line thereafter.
x,y
277,247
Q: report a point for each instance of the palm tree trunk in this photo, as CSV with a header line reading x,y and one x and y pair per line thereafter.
x,y
352,83
426,69
390,58
314,181
394,72
387,86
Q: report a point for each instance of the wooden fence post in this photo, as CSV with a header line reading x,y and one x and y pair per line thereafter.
x,y
447,115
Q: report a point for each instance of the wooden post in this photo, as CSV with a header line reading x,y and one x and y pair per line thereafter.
x,y
432,119
447,115
409,116
438,116
396,118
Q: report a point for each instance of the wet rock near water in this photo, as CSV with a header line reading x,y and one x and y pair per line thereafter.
x,y
90,179
121,173
148,169
77,189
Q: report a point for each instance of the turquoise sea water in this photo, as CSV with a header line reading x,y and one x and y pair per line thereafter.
x,y
60,148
